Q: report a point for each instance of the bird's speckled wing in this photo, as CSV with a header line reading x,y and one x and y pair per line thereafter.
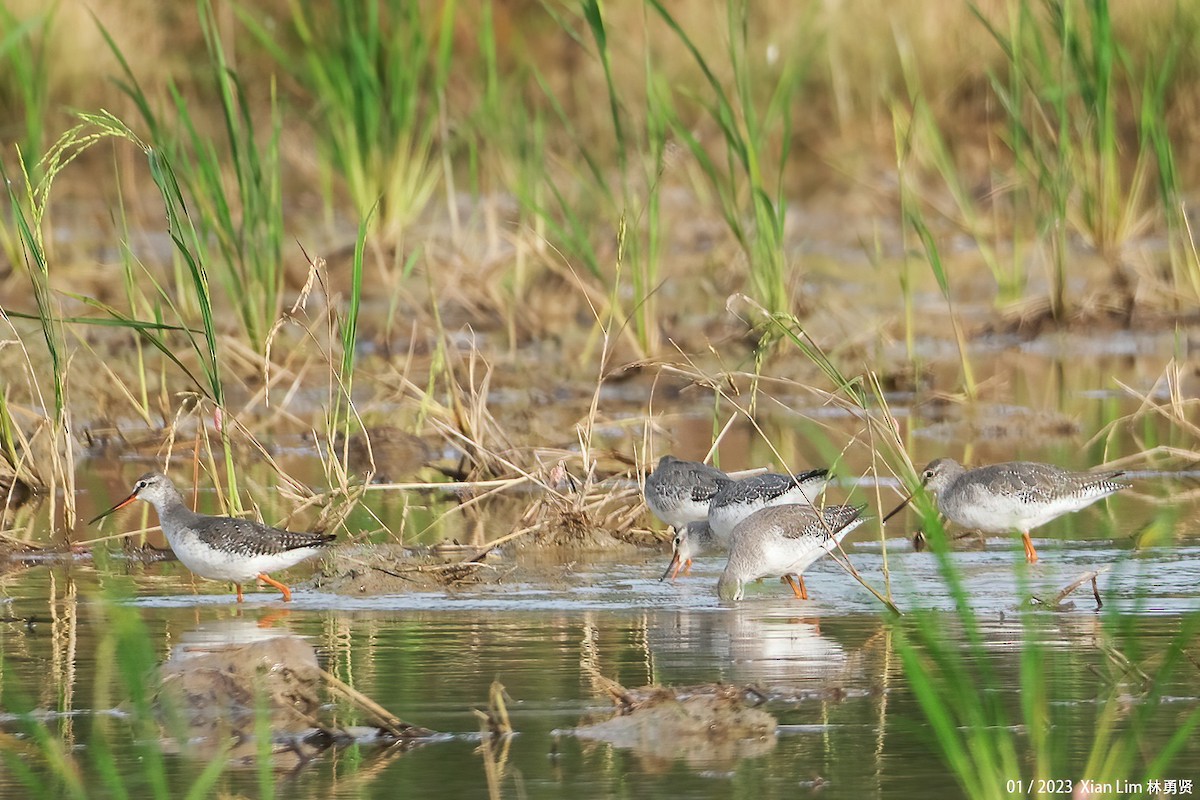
x,y
836,518
754,488
707,486
1034,482
248,537
700,481
765,487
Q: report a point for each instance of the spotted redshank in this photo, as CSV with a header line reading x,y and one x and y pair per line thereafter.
x,y
222,548
1014,496
735,501
678,491
782,541
691,540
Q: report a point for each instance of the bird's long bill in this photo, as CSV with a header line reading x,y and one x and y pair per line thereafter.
x,y
117,507
896,510
674,565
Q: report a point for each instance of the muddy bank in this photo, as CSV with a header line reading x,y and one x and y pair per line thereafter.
x,y
382,569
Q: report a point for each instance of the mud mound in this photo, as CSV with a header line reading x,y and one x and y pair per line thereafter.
x,y
713,725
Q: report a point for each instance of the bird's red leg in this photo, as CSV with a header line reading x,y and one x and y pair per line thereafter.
x,y
1030,554
241,597
687,567
796,590
287,593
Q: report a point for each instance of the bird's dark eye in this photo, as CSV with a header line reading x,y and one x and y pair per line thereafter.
x,y
927,474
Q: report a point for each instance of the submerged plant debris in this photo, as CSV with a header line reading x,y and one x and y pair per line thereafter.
x,y
706,725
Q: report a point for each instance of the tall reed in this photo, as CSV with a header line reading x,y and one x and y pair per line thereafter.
x,y
565,197
377,74
915,223
102,126
1155,136
757,143
961,696
25,76
920,143
641,141
341,401
246,225
1066,78
28,211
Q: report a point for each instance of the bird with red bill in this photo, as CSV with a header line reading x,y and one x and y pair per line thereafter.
x,y
222,548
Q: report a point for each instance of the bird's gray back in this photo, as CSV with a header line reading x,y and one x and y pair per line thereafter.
x,y
248,537
1032,482
797,521
681,479
763,488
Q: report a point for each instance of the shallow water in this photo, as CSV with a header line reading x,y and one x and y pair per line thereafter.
x,y
830,668
848,722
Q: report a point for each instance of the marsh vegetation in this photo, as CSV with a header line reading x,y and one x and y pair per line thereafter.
x,y
446,279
